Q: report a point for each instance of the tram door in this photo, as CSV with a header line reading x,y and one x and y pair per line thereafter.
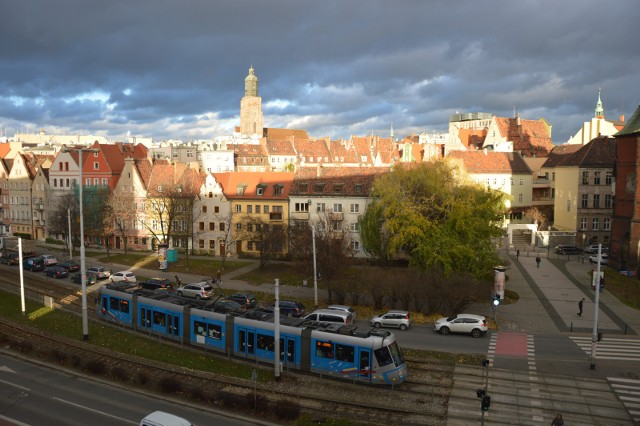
x,y
364,363
288,351
246,339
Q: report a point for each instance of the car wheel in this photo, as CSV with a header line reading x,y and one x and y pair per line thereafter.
x,y
180,293
197,297
290,314
476,333
377,324
444,331
403,327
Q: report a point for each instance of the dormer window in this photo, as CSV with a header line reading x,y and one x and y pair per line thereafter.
x,y
337,189
240,190
159,188
277,189
260,189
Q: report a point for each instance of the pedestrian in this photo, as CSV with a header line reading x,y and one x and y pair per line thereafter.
x,y
557,420
538,260
517,254
580,304
178,282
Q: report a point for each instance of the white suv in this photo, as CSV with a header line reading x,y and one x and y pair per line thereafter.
x,y
476,325
398,319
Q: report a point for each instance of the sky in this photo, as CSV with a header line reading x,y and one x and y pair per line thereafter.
x,y
175,69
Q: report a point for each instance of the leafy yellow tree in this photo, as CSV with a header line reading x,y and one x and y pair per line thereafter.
x,y
439,219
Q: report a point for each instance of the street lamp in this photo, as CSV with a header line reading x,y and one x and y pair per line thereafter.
x,y
83,277
315,273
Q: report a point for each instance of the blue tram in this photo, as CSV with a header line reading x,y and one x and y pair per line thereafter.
x,y
344,351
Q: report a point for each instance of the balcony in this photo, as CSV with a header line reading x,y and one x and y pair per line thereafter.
x,y
542,201
40,206
336,216
275,216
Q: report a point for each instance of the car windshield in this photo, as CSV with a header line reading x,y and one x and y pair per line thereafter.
x,y
452,318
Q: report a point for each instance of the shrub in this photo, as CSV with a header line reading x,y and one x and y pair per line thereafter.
x,y
59,356
169,385
96,367
142,378
120,374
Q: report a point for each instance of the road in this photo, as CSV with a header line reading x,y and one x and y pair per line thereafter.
x,y
31,394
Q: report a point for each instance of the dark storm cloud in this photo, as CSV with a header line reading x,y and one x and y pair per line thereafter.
x,y
171,69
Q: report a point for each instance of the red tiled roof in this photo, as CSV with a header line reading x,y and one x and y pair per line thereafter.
x,y
281,134
249,181
476,162
323,180
531,137
472,138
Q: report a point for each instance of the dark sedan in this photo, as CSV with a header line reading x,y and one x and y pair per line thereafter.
x,y
70,266
225,305
156,284
91,278
56,272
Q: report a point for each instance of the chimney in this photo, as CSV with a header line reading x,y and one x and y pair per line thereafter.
x,y
518,119
622,118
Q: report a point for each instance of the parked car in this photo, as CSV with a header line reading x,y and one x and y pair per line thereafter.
x,y
126,276
344,308
330,315
248,300
476,325
33,264
56,272
10,259
227,305
100,272
593,249
91,278
160,418
394,318
49,259
289,308
563,249
201,290
156,284
604,260
70,266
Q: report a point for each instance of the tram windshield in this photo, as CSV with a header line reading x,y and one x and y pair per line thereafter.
x,y
388,354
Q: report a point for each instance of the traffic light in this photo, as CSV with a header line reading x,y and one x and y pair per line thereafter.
x,y
486,402
496,299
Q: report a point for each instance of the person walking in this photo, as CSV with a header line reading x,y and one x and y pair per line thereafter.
x,y
580,304
517,254
538,260
557,420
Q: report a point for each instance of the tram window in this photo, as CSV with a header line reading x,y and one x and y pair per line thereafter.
x,y
114,304
345,353
396,353
324,349
124,306
383,356
159,318
215,331
105,303
200,328
265,343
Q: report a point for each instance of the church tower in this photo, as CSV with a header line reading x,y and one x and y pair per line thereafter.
x,y
251,107
599,107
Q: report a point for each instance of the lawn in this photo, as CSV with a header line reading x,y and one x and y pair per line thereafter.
x,y
626,289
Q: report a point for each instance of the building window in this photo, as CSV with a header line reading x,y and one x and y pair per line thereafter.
x,y
277,189
212,245
354,227
249,209
521,181
212,226
596,201
216,209
358,188
201,226
595,224
257,209
520,198
568,205
260,190
606,224
222,226
608,201
239,226
105,182
608,178
304,187
585,201
337,208
585,178
201,244
301,207
96,165
320,207
583,224
596,178
354,208
238,208
318,188
355,245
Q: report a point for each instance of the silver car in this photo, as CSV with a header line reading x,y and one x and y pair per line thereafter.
x,y
201,290
398,319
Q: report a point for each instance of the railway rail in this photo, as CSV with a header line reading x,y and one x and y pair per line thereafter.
x,y
420,402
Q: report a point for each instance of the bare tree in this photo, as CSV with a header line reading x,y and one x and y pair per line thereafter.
x,y
123,214
58,219
267,239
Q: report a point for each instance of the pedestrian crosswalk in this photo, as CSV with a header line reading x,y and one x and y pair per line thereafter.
x,y
628,390
611,348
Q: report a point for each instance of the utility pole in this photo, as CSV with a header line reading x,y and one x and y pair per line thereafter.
x,y
594,336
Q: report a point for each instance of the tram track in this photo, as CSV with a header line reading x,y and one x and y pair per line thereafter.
x,y
420,402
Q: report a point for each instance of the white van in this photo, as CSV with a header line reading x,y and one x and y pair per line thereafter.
x,y
160,418
330,315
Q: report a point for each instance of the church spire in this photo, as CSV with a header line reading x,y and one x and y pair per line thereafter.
x,y
251,83
599,107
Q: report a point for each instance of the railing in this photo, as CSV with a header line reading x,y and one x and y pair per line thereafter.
x,y
275,216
